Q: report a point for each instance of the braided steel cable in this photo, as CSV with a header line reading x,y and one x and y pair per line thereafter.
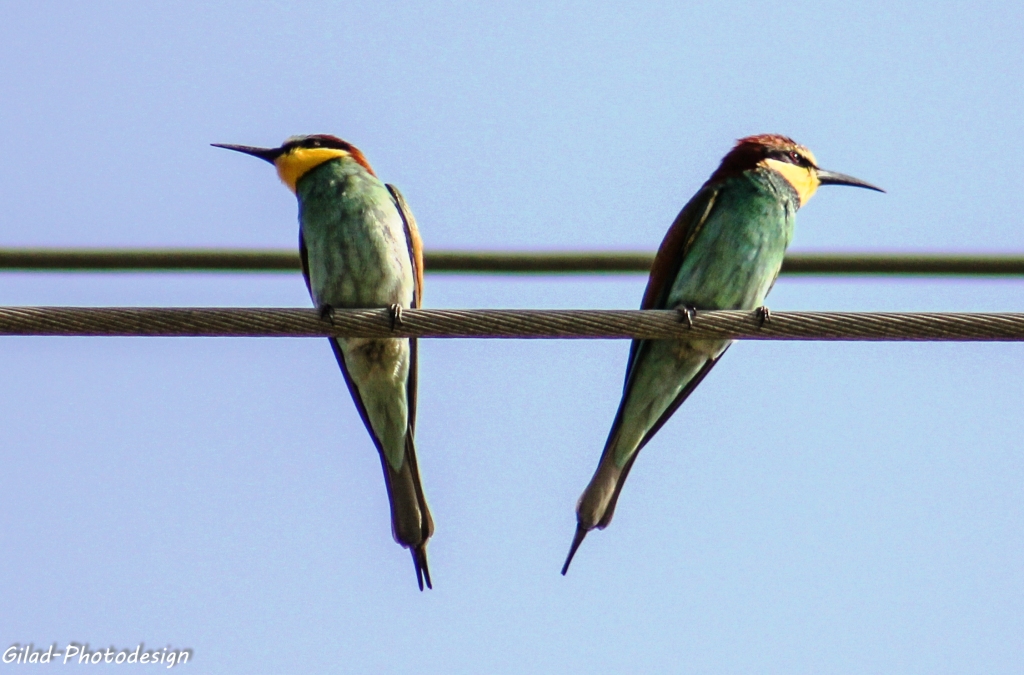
x,y
489,262
489,323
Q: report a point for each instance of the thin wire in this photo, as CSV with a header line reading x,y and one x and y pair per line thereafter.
x,y
489,262
485,323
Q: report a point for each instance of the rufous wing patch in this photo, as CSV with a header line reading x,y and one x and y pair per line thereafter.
x,y
415,242
677,242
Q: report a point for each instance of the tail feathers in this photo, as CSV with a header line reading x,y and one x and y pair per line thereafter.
x,y
577,539
597,503
620,480
419,560
411,524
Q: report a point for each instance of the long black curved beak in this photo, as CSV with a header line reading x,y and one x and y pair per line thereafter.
x,y
833,178
268,154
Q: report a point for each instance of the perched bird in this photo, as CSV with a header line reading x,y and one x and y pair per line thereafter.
x,y
360,248
723,251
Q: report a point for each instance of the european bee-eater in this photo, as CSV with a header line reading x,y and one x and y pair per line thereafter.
x,y
360,248
723,251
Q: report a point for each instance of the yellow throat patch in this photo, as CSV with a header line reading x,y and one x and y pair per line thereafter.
x,y
803,179
299,161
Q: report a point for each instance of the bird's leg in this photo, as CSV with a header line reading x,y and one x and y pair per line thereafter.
x,y
327,313
687,314
396,315
764,315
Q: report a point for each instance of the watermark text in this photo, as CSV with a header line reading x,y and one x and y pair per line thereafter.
x,y
80,653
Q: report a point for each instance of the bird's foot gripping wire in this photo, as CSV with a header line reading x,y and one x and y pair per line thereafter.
x,y
396,316
764,315
687,315
327,313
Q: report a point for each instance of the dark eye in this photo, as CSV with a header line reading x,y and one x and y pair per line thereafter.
x,y
796,158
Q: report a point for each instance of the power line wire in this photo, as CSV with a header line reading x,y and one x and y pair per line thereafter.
x,y
490,262
488,323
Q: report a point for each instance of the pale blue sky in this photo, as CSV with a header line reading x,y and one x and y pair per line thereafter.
x,y
814,507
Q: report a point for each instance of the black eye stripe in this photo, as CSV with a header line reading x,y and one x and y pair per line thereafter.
x,y
318,142
790,157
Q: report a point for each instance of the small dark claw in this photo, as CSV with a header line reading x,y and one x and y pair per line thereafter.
x,y
764,315
687,314
327,313
396,315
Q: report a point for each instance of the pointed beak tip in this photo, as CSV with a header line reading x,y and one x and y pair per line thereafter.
x,y
835,178
229,146
267,154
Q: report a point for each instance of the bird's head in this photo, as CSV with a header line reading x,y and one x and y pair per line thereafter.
x,y
299,154
784,156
